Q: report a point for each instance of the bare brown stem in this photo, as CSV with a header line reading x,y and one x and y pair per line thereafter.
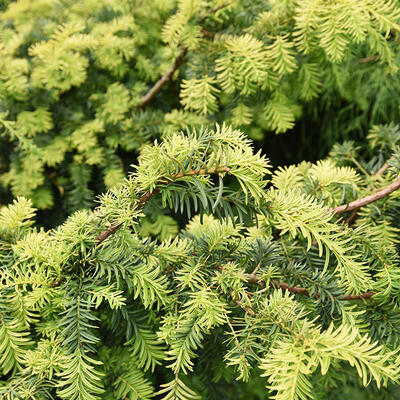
x,y
252,278
163,80
293,289
354,214
108,232
368,59
214,10
382,169
352,217
241,305
256,268
366,295
368,199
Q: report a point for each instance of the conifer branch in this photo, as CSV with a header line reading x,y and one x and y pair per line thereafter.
x,y
163,80
382,169
353,215
241,305
368,59
252,278
366,295
368,199
149,194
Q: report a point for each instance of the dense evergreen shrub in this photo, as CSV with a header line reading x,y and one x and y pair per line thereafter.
x,y
293,276
207,273
79,80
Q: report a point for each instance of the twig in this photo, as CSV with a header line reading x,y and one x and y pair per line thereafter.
x,y
293,289
139,205
214,10
352,217
368,59
148,195
105,234
354,214
256,268
368,199
251,278
366,295
382,169
163,80
241,305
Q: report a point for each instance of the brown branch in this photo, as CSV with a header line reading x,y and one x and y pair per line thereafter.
x,y
177,63
252,278
366,295
293,289
255,270
214,10
139,205
108,232
354,214
163,80
382,169
241,305
368,199
352,217
148,195
368,59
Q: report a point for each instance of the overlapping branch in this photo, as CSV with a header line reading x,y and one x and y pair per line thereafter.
x,y
382,169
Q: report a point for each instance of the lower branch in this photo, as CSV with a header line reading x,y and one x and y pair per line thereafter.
x,y
366,295
108,232
354,214
352,217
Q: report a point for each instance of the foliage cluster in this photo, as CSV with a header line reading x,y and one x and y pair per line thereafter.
x,y
77,79
267,279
